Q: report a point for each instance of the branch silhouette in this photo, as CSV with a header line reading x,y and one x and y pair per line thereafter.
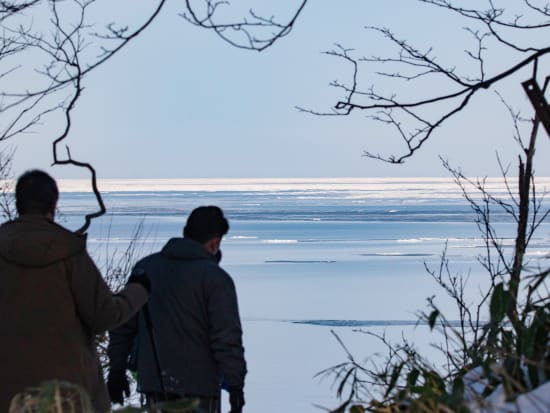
x,y
413,121
254,32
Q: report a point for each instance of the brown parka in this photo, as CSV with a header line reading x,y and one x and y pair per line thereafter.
x,y
53,301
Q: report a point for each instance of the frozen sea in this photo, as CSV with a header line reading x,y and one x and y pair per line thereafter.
x,y
312,256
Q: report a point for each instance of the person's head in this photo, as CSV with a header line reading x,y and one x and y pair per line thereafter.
x,y
36,193
207,225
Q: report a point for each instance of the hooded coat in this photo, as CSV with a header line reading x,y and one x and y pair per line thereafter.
x,y
195,321
53,301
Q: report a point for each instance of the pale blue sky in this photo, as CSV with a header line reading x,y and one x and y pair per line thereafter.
x,y
180,103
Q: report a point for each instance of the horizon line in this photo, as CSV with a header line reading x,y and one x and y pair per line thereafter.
x,y
391,184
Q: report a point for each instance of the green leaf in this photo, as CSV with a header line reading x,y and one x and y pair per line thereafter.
x,y
526,342
432,318
533,337
344,381
434,385
394,376
458,389
499,303
412,377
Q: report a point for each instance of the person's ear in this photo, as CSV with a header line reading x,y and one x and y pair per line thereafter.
x,y
213,245
51,214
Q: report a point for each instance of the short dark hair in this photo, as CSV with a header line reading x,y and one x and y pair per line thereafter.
x,y
205,223
36,193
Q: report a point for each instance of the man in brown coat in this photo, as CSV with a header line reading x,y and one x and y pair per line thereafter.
x,y
53,300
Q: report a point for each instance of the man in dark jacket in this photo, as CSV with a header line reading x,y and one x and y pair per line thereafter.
x,y
53,300
196,327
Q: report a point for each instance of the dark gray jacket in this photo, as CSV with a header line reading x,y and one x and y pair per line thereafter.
x,y
193,306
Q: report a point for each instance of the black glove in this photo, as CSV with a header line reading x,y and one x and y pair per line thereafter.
x,y
118,386
140,277
236,400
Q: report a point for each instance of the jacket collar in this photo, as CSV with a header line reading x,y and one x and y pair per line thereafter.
x,y
186,249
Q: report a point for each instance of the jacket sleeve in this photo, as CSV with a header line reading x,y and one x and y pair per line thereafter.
x,y
121,342
98,308
226,331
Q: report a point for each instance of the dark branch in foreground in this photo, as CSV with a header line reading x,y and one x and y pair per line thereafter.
x,y
57,39
442,92
60,46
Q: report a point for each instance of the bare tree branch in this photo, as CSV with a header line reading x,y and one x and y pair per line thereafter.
x,y
414,121
254,32
58,38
